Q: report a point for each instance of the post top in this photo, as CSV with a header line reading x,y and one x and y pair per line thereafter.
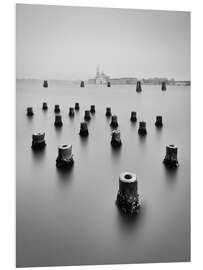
x,y
172,146
65,146
38,133
127,177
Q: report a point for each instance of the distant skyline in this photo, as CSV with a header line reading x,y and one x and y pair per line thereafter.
x,y
68,43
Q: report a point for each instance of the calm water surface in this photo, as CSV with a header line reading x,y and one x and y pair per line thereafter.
x,y
70,218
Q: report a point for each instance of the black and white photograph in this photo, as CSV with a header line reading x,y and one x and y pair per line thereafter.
x,y
102,136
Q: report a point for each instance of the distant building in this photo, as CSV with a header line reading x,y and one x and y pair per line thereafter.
x,y
100,78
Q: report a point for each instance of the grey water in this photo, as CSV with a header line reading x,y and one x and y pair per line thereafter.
x,y
70,218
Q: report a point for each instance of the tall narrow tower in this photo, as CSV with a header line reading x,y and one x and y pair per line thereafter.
x,y
97,71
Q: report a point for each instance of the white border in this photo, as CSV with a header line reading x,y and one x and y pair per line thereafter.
x,y
7,139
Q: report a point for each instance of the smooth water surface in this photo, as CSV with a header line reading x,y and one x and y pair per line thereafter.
x,y
70,218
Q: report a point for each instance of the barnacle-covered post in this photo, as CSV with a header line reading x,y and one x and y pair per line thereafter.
x,y
138,86
83,129
116,138
71,112
65,156
57,108
92,108
142,128
171,158
87,116
108,111
159,122
77,106
163,86
45,84
127,197
58,121
82,84
133,116
114,121
38,141
44,106
30,111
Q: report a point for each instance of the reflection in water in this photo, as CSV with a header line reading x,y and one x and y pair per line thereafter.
x,y
171,174
133,123
58,130
129,223
142,139
84,141
65,174
29,119
38,154
116,152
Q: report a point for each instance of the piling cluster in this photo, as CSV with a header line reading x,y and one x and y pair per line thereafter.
x,y
127,197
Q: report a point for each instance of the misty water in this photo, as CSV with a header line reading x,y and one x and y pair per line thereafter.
x,y
70,218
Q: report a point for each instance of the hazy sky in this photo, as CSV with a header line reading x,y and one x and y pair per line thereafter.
x,y
55,42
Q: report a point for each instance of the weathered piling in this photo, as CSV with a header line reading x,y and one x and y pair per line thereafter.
x,y
163,86
114,121
71,112
87,116
171,158
133,116
108,84
82,84
58,121
92,108
30,111
138,86
44,106
142,128
159,122
57,108
128,197
65,156
83,129
77,106
108,111
45,84
38,141
116,138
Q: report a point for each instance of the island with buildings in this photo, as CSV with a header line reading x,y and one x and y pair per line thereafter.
x,y
102,79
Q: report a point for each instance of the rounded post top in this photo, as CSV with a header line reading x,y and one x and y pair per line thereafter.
x,y
127,177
